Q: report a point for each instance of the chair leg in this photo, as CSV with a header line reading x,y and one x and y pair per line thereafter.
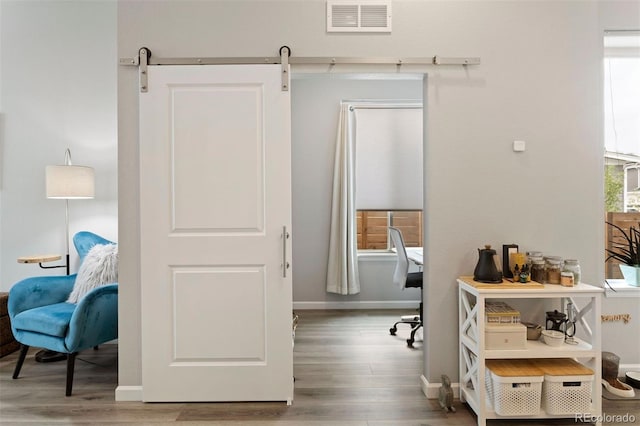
x,y
393,330
415,328
71,360
412,338
23,354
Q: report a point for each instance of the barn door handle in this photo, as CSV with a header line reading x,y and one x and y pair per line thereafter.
x,y
285,264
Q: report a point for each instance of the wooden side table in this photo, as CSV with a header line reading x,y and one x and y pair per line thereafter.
x,y
40,259
7,342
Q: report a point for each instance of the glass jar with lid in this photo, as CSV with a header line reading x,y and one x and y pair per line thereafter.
x,y
552,269
537,270
533,256
572,265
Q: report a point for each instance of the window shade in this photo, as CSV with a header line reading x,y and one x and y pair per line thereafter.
x,y
622,92
388,158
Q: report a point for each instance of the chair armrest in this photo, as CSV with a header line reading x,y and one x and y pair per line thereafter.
x,y
95,319
39,291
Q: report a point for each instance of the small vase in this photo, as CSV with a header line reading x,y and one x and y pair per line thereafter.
x,y
631,274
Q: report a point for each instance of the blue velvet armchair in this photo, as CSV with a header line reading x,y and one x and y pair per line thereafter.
x,y
41,317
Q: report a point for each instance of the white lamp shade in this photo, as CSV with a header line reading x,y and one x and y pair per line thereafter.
x,y
70,182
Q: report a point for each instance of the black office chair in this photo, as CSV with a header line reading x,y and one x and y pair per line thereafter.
x,y
403,279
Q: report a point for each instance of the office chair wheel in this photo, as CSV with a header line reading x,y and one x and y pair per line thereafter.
x,y
392,331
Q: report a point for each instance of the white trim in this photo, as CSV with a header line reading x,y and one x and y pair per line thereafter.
x,y
624,368
377,256
297,74
621,156
383,104
373,304
129,393
622,289
621,44
621,52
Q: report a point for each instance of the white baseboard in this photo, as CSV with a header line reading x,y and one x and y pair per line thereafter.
x,y
395,304
129,393
623,368
432,390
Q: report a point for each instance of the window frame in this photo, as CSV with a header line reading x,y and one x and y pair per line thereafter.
x,y
409,241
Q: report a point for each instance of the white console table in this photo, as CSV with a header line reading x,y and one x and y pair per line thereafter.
x,y
473,353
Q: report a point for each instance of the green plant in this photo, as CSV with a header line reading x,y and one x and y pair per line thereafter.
x,y
613,188
627,249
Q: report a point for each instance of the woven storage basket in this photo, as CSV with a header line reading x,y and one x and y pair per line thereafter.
x,y
516,387
488,385
567,386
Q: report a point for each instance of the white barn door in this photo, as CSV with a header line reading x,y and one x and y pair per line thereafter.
x,y
215,185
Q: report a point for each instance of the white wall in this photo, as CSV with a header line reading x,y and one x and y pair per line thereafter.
x,y
619,336
58,79
540,81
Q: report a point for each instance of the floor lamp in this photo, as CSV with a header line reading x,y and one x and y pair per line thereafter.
x,y
69,182
66,182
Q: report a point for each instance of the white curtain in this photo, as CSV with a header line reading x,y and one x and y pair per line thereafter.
x,y
342,270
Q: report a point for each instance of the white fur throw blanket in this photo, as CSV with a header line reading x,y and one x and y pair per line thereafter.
x,y
99,267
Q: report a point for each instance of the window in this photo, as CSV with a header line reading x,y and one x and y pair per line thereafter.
x,y
388,159
373,225
622,132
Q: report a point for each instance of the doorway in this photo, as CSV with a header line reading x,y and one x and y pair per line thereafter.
x,y
315,103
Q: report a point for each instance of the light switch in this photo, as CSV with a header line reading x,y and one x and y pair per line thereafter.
x,y
518,146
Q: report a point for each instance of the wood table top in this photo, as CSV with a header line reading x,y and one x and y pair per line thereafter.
x,y
39,258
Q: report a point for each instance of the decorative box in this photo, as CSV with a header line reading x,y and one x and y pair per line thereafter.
x,y
513,336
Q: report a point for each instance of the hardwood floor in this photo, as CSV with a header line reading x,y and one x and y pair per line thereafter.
x,y
349,371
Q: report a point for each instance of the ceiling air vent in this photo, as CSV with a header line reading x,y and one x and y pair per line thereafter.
x,y
362,16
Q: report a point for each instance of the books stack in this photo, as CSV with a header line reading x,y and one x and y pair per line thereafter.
x,y
500,313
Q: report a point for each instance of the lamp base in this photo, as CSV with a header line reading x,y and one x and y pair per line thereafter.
x,y
46,355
